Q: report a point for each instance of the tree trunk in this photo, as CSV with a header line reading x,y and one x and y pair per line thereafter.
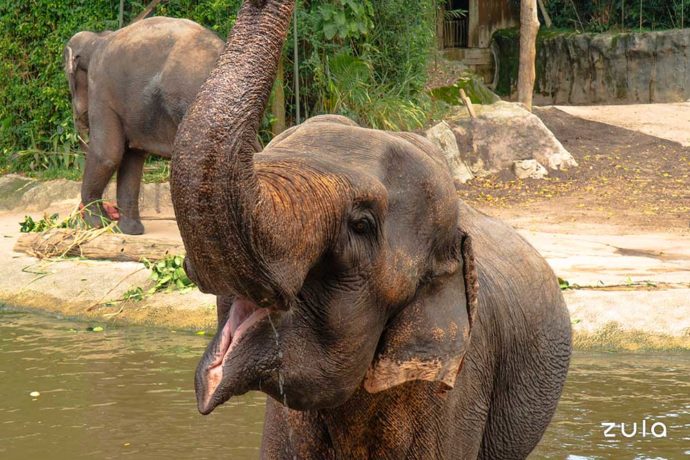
x,y
121,14
545,14
295,65
147,11
529,27
278,106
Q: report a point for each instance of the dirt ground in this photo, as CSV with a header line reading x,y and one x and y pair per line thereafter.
x,y
625,179
667,121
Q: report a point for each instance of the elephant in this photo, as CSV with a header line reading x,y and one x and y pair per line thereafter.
x,y
382,315
130,89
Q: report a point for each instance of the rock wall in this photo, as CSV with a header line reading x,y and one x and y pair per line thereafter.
x,y
611,68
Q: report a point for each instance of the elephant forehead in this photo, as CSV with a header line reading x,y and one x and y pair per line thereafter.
x,y
364,154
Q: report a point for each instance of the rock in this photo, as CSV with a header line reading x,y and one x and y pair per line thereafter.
x,y
442,136
529,169
504,133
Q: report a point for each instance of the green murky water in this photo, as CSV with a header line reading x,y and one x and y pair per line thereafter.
x,y
128,392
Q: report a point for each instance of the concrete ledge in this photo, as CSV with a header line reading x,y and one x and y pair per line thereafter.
x,y
630,320
635,318
18,193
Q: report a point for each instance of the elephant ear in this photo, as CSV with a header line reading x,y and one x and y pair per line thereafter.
x,y
427,340
78,88
71,68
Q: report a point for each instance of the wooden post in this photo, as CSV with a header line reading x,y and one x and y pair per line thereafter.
x,y
278,106
577,15
468,103
121,14
529,27
295,66
640,15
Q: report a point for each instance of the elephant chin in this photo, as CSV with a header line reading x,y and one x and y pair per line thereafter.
x,y
219,375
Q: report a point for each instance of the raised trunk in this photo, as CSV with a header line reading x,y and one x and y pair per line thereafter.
x,y
214,184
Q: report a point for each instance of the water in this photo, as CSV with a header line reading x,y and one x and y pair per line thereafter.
x,y
129,392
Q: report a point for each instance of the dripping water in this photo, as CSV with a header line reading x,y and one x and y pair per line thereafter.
x,y
281,383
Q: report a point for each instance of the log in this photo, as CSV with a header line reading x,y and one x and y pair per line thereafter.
x,y
91,244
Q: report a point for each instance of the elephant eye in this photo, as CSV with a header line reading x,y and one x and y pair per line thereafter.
x,y
362,225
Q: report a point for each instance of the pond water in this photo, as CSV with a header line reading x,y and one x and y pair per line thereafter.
x,y
128,392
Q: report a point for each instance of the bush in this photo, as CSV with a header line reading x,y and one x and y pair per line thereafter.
x,y
35,109
604,15
366,60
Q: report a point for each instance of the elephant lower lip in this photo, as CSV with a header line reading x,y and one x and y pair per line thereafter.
x,y
243,314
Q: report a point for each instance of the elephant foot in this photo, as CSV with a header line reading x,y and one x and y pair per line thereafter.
x,y
130,226
95,216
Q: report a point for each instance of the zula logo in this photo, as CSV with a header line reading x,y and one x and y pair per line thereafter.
x,y
645,429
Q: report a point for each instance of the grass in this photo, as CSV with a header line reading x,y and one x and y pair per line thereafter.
x,y
156,169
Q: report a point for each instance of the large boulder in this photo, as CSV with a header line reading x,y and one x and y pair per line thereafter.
x,y
444,138
501,135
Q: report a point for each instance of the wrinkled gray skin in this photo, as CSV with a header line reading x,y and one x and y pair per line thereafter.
x,y
130,90
353,286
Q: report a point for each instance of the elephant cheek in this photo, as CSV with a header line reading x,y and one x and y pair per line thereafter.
x,y
397,279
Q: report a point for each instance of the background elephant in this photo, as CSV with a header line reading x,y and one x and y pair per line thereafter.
x,y
354,287
130,90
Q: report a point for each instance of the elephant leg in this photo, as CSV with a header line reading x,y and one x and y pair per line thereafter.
x,y
128,186
106,148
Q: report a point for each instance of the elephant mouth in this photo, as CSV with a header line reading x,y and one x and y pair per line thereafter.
x,y
212,386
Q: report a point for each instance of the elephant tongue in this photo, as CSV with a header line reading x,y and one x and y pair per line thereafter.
x,y
243,314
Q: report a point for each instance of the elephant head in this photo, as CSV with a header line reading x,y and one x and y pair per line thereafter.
x,y
336,254
76,57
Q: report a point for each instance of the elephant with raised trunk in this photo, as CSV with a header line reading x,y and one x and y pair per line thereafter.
x,y
354,287
130,89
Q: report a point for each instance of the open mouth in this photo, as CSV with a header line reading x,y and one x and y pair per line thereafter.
x,y
242,316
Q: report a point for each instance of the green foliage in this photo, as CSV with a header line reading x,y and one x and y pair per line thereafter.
x,y
474,87
345,19
366,60
134,295
29,225
168,274
604,15
564,284
74,220
508,43
156,170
